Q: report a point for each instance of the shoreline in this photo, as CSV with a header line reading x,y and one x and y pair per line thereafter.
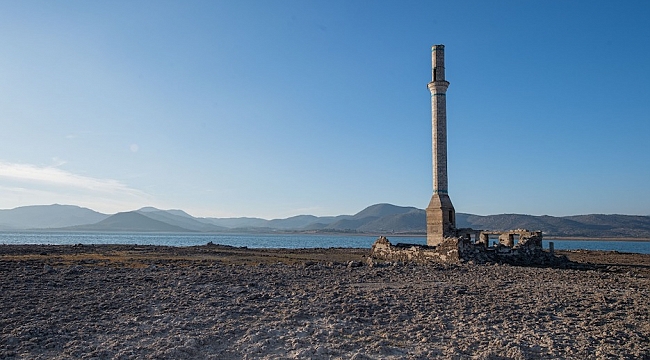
x,y
305,233
581,238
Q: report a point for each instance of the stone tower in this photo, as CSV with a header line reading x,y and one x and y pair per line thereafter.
x,y
441,216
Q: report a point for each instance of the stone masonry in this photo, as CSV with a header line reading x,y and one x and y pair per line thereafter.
x,y
445,242
526,250
441,216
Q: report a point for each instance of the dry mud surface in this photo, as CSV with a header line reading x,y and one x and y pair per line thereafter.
x,y
213,302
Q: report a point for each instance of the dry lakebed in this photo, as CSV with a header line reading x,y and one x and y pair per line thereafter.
x,y
218,302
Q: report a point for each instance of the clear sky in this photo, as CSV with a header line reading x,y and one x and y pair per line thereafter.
x,y
279,108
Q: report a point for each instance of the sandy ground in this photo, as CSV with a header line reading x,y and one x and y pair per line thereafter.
x,y
213,302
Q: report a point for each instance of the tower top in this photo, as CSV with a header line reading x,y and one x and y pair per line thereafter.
x,y
438,63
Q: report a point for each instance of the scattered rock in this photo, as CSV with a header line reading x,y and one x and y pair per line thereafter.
x,y
188,309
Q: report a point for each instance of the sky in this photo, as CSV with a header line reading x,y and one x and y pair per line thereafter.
x,y
278,108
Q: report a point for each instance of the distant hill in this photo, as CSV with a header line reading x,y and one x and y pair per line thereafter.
x,y
47,216
386,219
382,210
515,221
375,219
149,209
408,222
614,226
381,218
294,222
179,218
291,223
233,223
130,221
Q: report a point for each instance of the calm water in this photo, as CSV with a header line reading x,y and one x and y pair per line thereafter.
x,y
290,241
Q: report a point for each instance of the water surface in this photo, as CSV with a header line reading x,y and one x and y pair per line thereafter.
x,y
287,241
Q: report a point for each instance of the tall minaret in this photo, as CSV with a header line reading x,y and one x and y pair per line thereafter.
x,y
441,216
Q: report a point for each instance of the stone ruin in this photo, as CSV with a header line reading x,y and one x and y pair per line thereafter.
x,y
517,247
445,242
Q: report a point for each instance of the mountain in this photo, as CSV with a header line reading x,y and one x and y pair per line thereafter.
x,y
300,221
381,218
129,221
179,218
626,225
409,222
233,223
382,210
548,224
375,219
387,218
149,209
294,222
595,225
47,216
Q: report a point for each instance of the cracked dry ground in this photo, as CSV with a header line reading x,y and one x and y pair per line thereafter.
x,y
55,306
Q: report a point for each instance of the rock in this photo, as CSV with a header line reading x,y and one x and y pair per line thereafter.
x,y
186,310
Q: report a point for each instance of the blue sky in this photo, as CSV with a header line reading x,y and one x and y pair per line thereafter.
x,y
279,108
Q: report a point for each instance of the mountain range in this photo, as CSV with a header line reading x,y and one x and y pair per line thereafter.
x,y
375,219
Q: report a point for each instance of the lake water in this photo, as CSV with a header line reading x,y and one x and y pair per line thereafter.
x,y
290,241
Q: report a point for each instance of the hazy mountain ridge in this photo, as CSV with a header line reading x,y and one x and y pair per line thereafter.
x,y
593,225
180,219
129,221
375,219
47,216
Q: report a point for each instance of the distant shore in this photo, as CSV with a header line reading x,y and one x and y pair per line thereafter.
x,y
332,233
580,238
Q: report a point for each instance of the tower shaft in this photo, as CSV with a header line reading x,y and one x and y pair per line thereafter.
x,y
441,215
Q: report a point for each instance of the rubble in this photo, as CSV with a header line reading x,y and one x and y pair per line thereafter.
x,y
473,245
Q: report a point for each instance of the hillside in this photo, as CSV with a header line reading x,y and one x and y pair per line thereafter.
x,y
179,218
614,226
380,218
375,219
129,221
47,216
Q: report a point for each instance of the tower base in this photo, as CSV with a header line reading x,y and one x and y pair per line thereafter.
x,y
441,219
